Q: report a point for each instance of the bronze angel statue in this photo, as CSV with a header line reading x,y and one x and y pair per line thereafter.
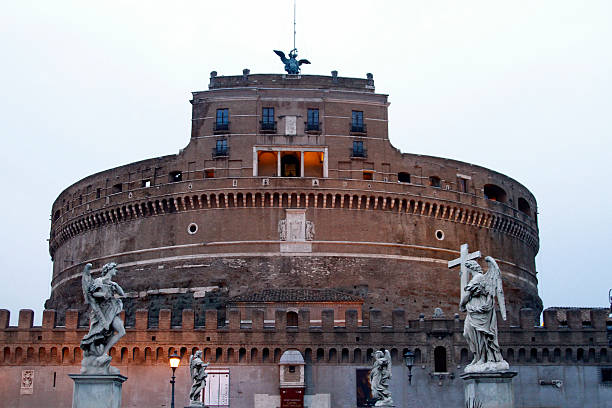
x,y
105,326
480,327
380,379
292,64
197,370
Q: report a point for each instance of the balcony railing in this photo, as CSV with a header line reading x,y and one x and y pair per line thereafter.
x,y
220,127
267,127
220,152
358,128
361,153
312,126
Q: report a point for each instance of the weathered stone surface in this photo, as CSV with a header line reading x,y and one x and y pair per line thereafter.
x,y
97,391
491,389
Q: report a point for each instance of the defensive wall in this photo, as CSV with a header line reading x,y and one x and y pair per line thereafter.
x,y
574,351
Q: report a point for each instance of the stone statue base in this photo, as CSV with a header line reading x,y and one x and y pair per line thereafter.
x,y
491,389
97,391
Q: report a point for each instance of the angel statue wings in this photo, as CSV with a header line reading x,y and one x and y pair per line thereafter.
x,y
292,64
380,378
480,327
197,370
105,326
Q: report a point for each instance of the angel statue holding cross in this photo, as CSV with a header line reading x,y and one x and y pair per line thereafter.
x,y
480,326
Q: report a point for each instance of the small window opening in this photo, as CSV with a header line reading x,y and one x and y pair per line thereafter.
x,y
209,173
439,235
117,188
175,176
98,192
358,149
523,206
434,181
292,319
368,175
440,359
192,228
146,183
494,193
56,215
292,369
462,185
403,177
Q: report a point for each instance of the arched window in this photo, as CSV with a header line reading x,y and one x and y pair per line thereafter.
x,y
292,319
495,193
403,177
440,360
523,206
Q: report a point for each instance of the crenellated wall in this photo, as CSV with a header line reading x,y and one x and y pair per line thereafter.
x,y
237,341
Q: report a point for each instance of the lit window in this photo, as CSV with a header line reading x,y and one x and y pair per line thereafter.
x,y
146,183
368,175
209,173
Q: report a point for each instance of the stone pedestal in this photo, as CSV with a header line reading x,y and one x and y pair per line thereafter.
x,y
492,389
97,391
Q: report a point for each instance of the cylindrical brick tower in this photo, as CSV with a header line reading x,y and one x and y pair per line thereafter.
x,y
290,181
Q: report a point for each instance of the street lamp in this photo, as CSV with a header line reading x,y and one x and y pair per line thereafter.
x,y
409,360
175,360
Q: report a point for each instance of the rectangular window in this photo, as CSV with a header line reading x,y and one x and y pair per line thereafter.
x,y
368,175
222,121
312,119
146,183
267,119
463,185
357,122
117,188
98,193
175,176
221,147
209,173
358,149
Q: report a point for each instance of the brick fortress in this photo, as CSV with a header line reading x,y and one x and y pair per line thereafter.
x,y
289,221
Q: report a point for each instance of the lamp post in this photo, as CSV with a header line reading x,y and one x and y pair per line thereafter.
x,y
409,360
175,360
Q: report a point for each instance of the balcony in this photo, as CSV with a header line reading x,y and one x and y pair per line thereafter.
x,y
220,127
219,152
267,127
312,127
359,153
358,128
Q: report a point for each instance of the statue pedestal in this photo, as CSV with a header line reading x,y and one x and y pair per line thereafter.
x,y
492,389
97,391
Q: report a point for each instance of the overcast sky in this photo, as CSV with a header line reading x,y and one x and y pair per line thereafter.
x,y
520,87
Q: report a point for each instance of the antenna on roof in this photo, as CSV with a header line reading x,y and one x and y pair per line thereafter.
x,y
292,64
294,1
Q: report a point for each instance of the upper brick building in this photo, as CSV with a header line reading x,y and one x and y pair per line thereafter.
x,y
290,181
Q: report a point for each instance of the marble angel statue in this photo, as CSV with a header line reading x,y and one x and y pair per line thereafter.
x,y
380,378
197,370
480,327
105,326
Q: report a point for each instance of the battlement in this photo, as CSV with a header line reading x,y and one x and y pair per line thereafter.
x,y
225,340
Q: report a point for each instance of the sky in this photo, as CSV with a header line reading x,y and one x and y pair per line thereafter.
x,y
520,87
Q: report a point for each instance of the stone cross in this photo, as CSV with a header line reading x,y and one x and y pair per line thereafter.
x,y
464,256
